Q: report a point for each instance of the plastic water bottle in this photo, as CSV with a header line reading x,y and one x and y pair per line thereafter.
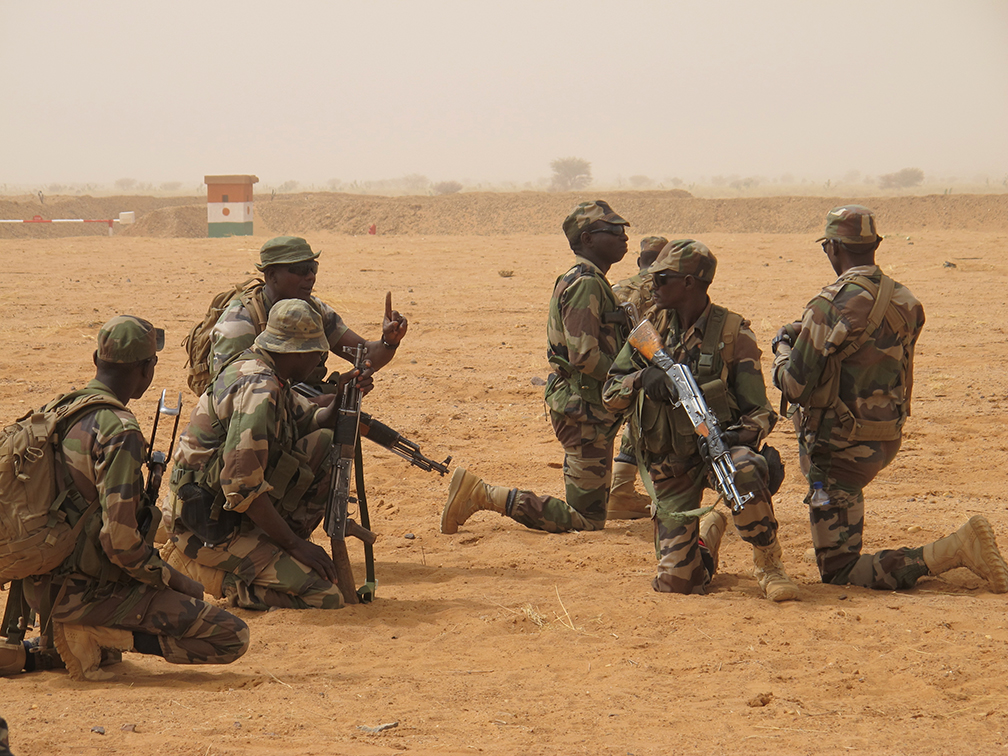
x,y
819,498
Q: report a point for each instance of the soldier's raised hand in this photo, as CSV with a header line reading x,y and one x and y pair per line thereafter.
x,y
394,325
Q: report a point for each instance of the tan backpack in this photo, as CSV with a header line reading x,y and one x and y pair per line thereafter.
x,y
35,536
197,343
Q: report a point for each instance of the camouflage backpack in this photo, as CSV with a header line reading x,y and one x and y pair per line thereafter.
x,y
197,344
35,536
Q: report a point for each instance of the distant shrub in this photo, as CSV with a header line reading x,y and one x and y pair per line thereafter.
x,y
903,179
447,187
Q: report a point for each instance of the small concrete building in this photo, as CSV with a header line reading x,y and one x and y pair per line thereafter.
x,y
229,205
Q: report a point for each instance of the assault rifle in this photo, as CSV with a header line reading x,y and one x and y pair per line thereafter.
x,y
344,453
645,339
156,461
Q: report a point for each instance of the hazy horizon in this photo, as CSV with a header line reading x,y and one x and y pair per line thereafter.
x,y
330,93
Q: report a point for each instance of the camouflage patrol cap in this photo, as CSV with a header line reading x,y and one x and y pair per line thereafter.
x,y
851,224
294,326
284,250
687,258
653,243
587,213
127,339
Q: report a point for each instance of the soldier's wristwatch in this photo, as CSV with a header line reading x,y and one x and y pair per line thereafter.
x,y
776,341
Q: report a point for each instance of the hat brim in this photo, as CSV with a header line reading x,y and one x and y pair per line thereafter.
x,y
294,257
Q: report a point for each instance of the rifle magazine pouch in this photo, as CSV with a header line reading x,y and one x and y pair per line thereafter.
x,y
775,466
198,515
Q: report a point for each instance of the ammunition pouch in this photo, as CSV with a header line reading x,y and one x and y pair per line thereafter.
x,y
214,525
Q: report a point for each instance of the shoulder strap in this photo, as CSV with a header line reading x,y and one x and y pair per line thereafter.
x,y
883,296
249,294
710,347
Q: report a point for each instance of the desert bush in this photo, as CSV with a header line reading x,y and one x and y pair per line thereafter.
x,y
903,179
570,174
447,187
125,184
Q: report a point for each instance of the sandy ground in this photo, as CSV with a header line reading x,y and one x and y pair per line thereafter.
x,y
500,640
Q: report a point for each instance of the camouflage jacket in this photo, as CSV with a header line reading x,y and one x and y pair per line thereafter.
x,y
241,428
235,330
665,431
637,290
582,342
876,381
104,452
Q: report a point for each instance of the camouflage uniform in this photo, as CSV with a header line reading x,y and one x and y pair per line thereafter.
x,y
584,331
249,435
116,578
669,450
236,330
845,447
638,290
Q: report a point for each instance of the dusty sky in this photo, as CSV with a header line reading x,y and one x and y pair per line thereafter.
x,y
95,91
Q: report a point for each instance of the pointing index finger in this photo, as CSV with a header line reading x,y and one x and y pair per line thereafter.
x,y
388,305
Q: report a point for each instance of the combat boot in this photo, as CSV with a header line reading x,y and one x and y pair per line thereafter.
x,y
770,575
974,547
212,579
80,647
712,528
468,494
624,501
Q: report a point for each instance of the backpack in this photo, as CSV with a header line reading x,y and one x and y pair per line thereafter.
x,y
35,536
197,344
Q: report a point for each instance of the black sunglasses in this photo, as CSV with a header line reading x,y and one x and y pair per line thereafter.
x,y
302,269
614,230
660,279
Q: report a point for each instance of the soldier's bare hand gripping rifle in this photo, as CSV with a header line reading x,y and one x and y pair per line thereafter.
x,y
684,392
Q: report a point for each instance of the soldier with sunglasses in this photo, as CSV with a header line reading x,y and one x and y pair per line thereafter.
x,y
585,330
289,267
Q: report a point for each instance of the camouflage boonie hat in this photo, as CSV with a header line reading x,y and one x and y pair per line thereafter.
x,y
587,213
126,339
294,326
687,258
653,243
284,250
851,224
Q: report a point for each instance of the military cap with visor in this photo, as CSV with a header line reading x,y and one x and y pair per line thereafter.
x,y
653,243
850,224
284,250
293,327
686,257
126,339
587,213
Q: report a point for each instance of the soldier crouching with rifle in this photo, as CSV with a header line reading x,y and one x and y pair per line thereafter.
x,y
252,471
723,358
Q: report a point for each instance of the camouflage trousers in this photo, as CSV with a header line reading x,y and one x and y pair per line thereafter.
x,y
844,468
627,451
258,574
684,565
189,630
588,451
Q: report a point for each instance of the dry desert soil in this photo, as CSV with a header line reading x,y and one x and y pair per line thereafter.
x,y
500,640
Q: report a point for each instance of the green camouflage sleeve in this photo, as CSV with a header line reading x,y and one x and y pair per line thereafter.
x,y
332,323
622,384
252,404
233,333
105,451
575,329
746,375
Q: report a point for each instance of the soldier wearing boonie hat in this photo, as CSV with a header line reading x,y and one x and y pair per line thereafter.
x,y
724,357
126,339
852,399
118,592
271,448
289,267
625,503
584,331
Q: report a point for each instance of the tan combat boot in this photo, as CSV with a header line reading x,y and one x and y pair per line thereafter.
x,y
770,575
624,501
212,579
80,647
972,546
712,528
468,494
